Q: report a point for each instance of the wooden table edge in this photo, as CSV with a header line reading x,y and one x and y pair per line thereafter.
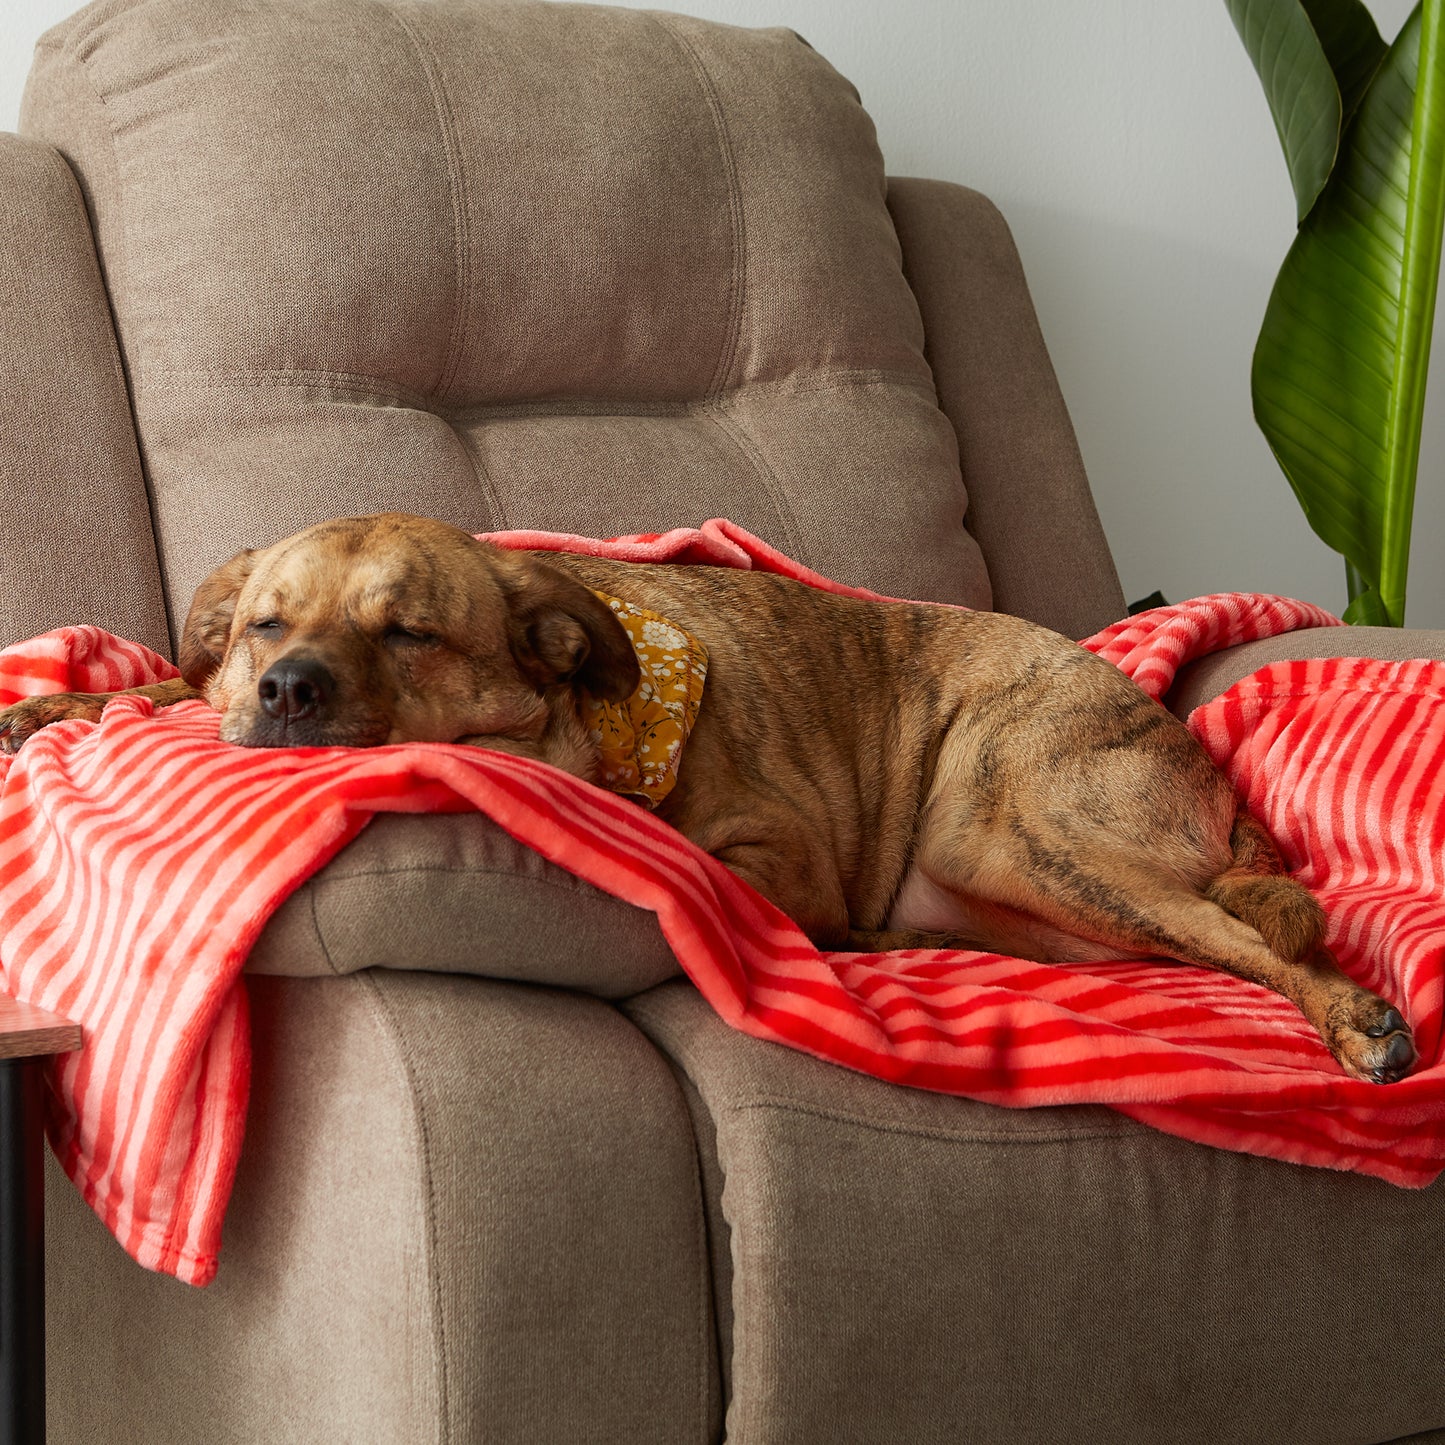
x,y
28,1032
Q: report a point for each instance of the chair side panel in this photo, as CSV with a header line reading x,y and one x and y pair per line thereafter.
x,y
77,543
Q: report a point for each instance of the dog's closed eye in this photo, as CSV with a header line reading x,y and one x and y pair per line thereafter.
x,y
399,636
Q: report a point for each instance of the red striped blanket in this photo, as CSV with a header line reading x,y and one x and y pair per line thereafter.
x,y
140,857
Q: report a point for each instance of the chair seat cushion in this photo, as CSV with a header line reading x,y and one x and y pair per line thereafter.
x,y
897,1265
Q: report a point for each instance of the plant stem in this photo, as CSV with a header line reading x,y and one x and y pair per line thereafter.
x,y
1419,283
1355,583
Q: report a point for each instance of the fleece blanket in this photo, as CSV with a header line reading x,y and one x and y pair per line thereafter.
x,y
140,857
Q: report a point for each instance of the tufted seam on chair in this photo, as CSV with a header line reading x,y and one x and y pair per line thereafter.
x,y
311,886
733,334
795,383
369,387
382,1011
737,434
426,1150
483,476
1125,1129
446,120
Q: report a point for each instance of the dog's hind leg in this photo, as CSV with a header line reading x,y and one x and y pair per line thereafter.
x,y
1366,1034
1256,889
777,861
1249,920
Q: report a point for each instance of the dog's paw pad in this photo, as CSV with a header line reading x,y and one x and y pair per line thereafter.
x,y
1399,1056
1375,1044
16,726
1390,1022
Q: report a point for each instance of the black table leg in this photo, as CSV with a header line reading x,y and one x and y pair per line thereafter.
x,y
22,1254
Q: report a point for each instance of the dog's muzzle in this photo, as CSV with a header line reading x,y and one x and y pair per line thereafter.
x,y
295,688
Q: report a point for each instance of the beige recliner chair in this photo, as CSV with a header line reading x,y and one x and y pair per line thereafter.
x,y
506,1177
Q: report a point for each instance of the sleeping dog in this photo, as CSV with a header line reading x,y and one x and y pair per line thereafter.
x,y
889,775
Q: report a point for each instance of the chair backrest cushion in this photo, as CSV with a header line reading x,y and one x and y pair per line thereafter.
x,y
513,265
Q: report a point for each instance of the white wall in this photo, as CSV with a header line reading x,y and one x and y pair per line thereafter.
x,y
1129,145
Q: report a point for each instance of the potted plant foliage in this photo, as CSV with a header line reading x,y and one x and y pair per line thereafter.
x,y
1339,370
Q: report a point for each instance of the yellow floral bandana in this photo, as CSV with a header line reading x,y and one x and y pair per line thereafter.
x,y
641,738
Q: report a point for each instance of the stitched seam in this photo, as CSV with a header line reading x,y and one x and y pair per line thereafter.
x,y
320,936
117,367
821,382
733,335
734,432
702,1246
201,377
483,477
924,1131
575,886
446,120
380,1007
424,1148
372,388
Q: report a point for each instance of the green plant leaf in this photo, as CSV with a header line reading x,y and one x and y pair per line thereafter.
x,y
1300,86
1340,368
1367,609
1352,45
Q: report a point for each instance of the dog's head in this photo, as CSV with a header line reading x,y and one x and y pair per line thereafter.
x,y
393,628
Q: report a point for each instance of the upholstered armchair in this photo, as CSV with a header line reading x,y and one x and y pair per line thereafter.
x,y
506,1176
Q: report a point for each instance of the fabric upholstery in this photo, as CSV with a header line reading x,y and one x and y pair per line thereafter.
x,y
1214,674
972,1273
1029,502
67,436
469,1209
457,894
510,265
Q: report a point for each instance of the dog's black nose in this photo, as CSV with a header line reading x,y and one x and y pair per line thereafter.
x,y
294,688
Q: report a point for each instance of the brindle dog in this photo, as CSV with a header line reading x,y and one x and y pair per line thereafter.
x,y
889,775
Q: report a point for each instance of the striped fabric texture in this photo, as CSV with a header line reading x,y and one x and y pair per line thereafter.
x,y
140,857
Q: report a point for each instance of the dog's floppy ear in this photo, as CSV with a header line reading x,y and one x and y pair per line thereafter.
x,y
560,631
208,623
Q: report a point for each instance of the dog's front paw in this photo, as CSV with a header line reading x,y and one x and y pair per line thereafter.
x,y
1371,1039
24,719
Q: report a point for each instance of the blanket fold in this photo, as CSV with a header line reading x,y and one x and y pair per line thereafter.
x,y
140,858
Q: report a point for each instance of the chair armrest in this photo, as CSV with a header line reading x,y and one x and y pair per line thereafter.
x,y
1029,504
455,893
1212,675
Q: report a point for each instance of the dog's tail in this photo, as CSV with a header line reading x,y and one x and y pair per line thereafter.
x,y
1255,889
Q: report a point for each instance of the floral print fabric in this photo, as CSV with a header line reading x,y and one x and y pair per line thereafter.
x,y
641,738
